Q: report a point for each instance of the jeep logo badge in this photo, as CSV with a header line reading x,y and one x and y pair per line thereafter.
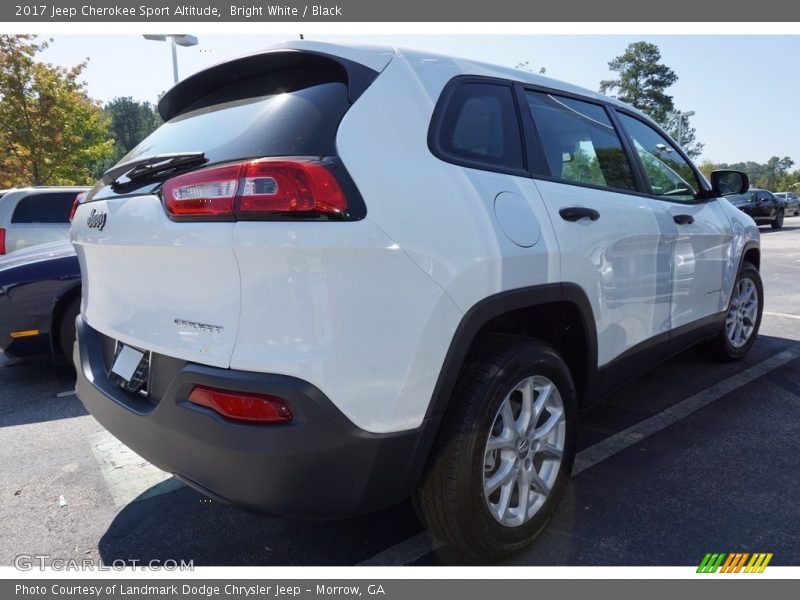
x,y
96,219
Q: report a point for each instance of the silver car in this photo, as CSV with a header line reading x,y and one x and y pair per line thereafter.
x,y
35,215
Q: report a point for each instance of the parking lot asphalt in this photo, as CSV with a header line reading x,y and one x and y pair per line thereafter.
x,y
692,457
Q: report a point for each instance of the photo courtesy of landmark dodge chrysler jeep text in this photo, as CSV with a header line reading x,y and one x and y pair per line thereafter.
x,y
337,277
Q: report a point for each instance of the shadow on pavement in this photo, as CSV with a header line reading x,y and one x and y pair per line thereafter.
x,y
185,525
28,393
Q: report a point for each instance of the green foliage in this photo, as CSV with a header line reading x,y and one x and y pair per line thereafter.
x,y
643,82
52,132
772,175
130,122
583,167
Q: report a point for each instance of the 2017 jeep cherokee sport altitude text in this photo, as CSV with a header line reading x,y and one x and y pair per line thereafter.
x,y
339,277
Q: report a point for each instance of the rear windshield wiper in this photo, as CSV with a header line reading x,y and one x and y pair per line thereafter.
x,y
141,169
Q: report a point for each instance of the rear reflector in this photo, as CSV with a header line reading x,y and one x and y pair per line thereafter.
x,y
25,333
255,188
2,241
75,204
251,408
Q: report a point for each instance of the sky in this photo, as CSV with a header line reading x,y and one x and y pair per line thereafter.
x,y
745,90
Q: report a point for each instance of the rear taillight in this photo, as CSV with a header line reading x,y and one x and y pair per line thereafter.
x,y
2,241
240,406
257,188
75,204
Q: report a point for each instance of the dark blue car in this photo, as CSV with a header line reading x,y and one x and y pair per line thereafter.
x,y
40,293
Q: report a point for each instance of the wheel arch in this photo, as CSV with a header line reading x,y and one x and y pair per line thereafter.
x,y
559,314
751,253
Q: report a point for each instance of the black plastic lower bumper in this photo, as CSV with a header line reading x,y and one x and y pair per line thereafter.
x,y
320,465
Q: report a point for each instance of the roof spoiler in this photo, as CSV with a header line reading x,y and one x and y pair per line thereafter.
x,y
181,96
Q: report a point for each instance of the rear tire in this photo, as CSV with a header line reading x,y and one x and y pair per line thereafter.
x,y
66,327
742,319
777,222
510,424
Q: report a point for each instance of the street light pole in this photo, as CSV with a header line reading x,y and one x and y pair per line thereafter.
x,y
176,40
681,116
174,58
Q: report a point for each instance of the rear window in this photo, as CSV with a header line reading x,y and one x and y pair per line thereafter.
x,y
52,207
232,123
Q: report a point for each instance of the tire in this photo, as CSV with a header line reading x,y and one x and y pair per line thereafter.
x,y
727,346
777,222
450,497
797,211
66,327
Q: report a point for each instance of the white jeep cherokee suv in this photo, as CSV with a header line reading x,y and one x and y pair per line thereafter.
x,y
338,277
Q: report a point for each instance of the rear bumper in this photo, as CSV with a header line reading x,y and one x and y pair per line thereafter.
x,y
318,466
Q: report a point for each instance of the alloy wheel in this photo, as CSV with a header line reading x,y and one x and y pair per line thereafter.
x,y
524,451
740,321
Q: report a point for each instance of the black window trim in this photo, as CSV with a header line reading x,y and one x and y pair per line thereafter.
x,y
534,165
437,123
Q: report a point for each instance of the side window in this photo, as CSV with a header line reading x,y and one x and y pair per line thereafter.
x,y
668,173
44,208
480,126
579,141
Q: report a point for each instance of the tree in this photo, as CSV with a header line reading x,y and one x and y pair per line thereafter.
x,y
130,122
772,175
643,82
51,132
526,66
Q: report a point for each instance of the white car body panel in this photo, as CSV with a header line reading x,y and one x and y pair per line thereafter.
x,y
25,235
459,242
622,261
703,254
341,306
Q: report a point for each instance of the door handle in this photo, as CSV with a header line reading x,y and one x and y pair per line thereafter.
x,y
576,213
683,219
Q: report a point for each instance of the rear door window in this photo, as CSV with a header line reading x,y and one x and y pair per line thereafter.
x,y
579,141
48,207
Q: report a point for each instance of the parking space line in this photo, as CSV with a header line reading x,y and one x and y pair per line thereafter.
x,y
127,475
610,446
405,552
415,547
784,315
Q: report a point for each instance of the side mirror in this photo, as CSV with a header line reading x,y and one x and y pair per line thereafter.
x,y
727,183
